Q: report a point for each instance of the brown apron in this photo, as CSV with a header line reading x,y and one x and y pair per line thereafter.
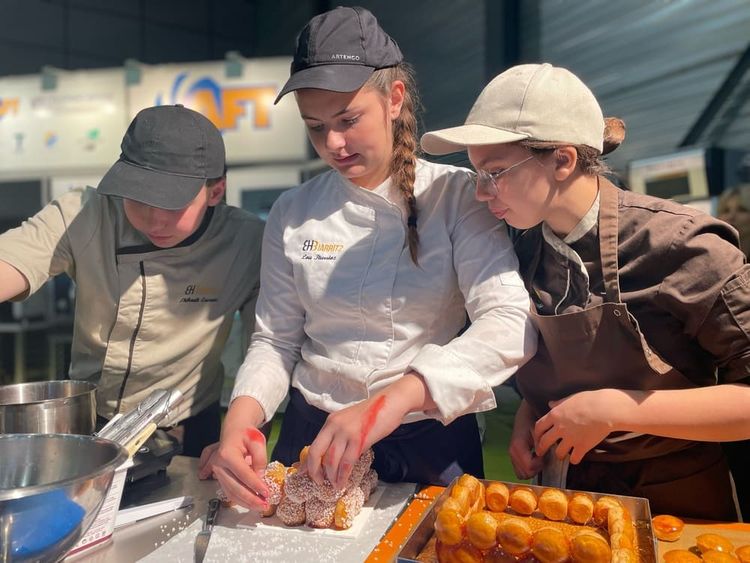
x,y
602,347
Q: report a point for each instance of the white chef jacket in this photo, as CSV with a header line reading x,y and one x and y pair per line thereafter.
x,y
343,311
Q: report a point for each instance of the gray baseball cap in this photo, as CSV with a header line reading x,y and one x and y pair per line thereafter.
x,y
168,153
339,50
535,101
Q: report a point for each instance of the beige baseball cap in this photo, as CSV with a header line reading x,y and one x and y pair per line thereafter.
x,y
536,101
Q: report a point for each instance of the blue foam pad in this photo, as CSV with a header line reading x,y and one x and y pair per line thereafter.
x,y
41,521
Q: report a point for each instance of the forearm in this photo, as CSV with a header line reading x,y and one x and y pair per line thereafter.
x,y
410,392
717,413
12,282
244,412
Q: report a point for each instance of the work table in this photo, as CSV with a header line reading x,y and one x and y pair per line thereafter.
x,y
150,538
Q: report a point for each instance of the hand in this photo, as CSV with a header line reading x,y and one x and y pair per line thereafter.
x,y
205,463
350,431
239,459
525,462
577,423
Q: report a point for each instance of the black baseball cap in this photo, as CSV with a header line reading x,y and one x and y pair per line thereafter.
x,y
168,153
339,50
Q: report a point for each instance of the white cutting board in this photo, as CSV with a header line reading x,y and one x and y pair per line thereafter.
x,y
262,543
238,517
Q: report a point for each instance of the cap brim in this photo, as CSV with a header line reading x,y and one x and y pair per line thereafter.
x,y
455,139
154,188
336,78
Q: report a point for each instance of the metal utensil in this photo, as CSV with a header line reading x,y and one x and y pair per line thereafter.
x,y
153,408
203,537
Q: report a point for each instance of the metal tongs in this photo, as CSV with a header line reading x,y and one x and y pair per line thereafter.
x,y
132,429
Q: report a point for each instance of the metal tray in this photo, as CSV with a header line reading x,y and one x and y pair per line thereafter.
x,y
638,507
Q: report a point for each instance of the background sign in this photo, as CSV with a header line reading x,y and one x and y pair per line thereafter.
x,y
241,107
77,125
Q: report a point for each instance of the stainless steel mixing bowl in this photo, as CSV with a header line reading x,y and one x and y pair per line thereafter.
x,y
52,486
47,407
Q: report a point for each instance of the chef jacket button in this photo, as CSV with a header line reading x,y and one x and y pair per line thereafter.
x,y
617,312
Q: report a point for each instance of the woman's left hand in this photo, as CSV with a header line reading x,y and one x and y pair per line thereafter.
x,y
577,423
347,433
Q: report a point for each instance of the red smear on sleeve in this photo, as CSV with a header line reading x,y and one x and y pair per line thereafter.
x,y
370,417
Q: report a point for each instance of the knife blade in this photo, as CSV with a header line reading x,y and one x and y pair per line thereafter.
x,y
203,537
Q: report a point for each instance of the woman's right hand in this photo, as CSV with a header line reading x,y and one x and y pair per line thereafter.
x,y
525,461
240,459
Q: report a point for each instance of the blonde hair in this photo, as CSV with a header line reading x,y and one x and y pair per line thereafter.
x,y
589,159
405,141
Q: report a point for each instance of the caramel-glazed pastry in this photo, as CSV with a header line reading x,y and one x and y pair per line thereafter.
x,y
481,529
475,490
523,501
461,553
347,507
327,491
713,556
361,468
681,556
581,508
743,553
273,478
514,536
369,483
290,513
623,555
666,527
298,487
554,504
449,527
620,527
550,546
589,547
319,514
708,542
601,509
496,496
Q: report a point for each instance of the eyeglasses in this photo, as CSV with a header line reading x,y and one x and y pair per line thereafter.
x,y
487,181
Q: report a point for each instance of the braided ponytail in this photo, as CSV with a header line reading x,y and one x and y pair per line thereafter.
x,y
405,144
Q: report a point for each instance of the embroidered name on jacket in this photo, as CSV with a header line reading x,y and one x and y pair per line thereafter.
x,y
195,293
318,250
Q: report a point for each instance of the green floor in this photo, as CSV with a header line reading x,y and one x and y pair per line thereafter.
x,y
497,426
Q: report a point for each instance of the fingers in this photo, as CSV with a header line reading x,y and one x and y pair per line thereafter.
x,y
205,469
346,464
240,474
332,459
237,492
563,449
317,450
525,463
255,445
332,456
238,463
577,455
545,436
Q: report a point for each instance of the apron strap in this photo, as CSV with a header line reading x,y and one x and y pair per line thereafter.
x,y
608,206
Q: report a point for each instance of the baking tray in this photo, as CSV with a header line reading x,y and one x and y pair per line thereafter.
x,y
638,507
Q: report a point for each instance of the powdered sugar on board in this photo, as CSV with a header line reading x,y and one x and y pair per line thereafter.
x,y
243,518
268,544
